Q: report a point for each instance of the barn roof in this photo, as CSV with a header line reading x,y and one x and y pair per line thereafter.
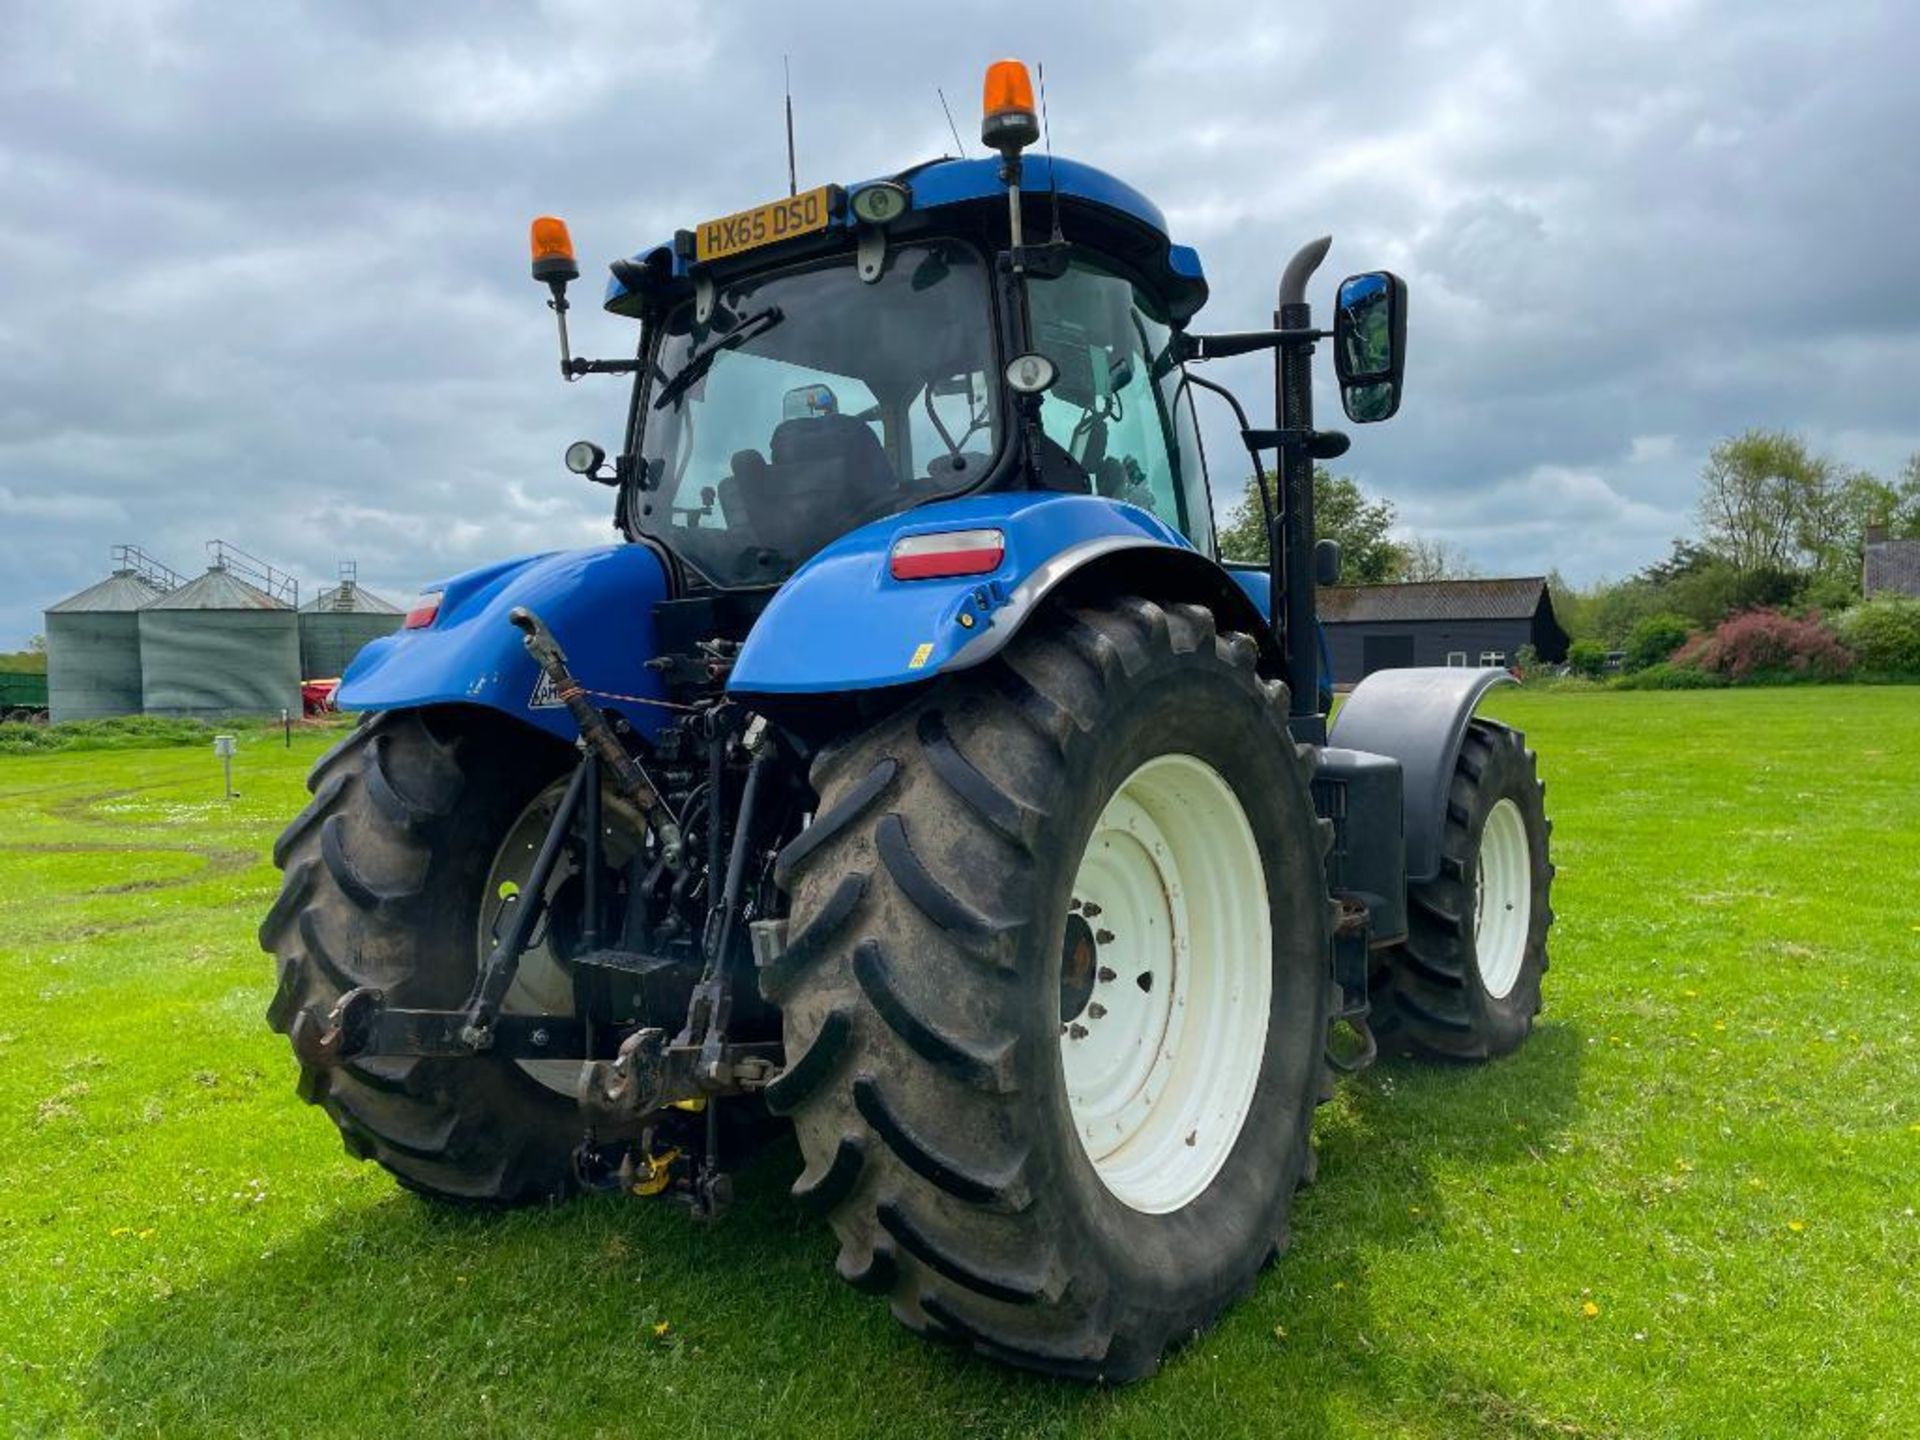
x,y
1514,599
1893,567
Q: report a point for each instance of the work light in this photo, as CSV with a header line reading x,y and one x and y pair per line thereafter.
x,y
878,204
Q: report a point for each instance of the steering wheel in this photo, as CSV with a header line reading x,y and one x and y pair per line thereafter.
x,y
976,423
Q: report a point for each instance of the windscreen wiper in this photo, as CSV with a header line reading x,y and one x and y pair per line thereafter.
x,y
701,361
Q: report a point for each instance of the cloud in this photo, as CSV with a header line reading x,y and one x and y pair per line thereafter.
x,y
56,507
262,270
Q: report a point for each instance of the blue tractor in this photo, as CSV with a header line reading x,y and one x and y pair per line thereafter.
x,y
913,775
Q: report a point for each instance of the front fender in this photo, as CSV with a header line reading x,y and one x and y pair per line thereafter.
x,y
1419,717
599,605
842,622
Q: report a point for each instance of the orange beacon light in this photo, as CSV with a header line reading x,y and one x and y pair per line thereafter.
x,y
1008,121
553,251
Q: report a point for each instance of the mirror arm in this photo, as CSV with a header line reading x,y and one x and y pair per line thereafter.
x,y
1245,342
575,368
1318,444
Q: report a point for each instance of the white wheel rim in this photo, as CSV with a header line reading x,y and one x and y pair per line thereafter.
x,y
1502,899
1161,1074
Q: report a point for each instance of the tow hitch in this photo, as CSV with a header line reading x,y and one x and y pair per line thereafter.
x,y
624,1078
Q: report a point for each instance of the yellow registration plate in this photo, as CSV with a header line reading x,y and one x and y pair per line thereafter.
x,y
763,225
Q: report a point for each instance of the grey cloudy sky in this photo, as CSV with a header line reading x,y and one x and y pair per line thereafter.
x,y
262,266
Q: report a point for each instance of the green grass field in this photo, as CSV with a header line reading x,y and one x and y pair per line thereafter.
x,y
1687,1208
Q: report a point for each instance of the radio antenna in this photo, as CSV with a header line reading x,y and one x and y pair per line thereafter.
x,y
958,147
793,174
1053,179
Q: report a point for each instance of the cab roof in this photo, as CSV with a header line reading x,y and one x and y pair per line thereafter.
x,y
1099,212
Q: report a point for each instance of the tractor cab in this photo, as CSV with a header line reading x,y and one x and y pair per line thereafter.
x,y
846,354
805,401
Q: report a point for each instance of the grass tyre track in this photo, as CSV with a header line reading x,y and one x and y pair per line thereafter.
x,y
383,873
922,995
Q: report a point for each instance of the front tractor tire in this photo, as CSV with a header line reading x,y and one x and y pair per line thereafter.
x,y
1056,991
1466,984
385,878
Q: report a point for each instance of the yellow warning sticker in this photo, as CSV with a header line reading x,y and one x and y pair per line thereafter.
x,y
920,656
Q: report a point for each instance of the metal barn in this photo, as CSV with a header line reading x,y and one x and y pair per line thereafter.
x,y
338,621
219,646
1438,622
93,640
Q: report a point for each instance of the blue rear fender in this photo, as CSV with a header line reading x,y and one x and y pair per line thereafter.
x,y
843,623
599,604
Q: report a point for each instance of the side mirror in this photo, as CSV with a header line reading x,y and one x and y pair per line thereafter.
x,y
1370,344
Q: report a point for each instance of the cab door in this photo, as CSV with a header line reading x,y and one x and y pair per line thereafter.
x,y
1121,408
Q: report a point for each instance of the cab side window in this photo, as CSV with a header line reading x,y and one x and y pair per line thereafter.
x,y
1119,408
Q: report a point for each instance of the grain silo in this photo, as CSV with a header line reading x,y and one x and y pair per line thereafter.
x,y
221,646
338,621
93,640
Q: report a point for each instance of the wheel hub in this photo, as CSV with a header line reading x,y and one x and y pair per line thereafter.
x,y
1079,963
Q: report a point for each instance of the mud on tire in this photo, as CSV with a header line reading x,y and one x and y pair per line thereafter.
x,y
383,872
921,990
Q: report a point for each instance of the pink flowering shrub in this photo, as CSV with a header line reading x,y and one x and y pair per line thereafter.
x,y
1764,644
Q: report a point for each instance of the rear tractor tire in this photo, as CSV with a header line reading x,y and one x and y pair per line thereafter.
x,y
1056,991
386,884
1466,984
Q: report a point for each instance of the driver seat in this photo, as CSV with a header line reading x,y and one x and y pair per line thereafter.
x,y
825,474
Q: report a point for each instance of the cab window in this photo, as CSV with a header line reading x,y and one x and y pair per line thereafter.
x,y
808,402
1119,407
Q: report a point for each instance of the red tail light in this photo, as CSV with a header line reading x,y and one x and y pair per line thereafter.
x,y
946,554
424,610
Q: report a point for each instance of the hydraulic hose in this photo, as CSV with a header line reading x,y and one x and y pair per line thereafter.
x,y
595,732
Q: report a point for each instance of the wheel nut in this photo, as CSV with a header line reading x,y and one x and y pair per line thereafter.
x,y
1090,910
1106,973
1076,1031
1103,937
1096,1011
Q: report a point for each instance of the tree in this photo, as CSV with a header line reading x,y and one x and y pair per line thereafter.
x,y
1655,638
1588,658
1341,511
1423,559
1686,557
1873,501
1768,503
